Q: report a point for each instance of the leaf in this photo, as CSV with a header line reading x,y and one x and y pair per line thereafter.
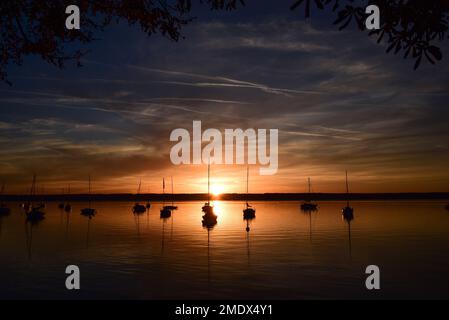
x,y
319,4
435,52
296,4
417,63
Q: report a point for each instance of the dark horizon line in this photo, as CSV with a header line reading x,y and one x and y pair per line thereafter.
x,y
230,196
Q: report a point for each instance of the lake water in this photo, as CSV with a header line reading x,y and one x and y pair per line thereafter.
x,y
286,254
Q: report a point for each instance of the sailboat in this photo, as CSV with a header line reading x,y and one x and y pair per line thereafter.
x,y
148,205
165,211
308,205
347,212
4,209
27,205
207,208
89,212
61,205
139,208
209,217
249,212
34,213
172,206
68,206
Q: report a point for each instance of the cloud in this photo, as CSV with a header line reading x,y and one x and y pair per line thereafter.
x,y
338,101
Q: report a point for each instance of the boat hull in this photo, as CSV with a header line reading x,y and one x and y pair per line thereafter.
x,y
249,213
88,212
309,206
165,213
35,215
347,213
139,208
209,220
4,211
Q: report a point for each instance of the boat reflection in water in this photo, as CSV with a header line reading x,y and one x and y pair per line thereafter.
x,y
209,221
348,216
165,215
269,256
33,219
89,218
248,229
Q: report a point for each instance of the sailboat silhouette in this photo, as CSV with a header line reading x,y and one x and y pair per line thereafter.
x,y
34,213
61,205
68,206
249,212
209,217
89,212
172,206
308,205
165,211
347,212
139,208
148,205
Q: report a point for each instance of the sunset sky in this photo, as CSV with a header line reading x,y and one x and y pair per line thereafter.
x,y
339,101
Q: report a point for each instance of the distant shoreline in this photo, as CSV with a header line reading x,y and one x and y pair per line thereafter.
x,y
232,197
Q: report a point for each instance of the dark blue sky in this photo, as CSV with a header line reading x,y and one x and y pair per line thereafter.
x,y
339,102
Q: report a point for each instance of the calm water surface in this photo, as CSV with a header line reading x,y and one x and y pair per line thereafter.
x,y
286,254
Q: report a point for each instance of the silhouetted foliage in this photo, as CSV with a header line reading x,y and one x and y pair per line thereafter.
x,y
38,27
410,27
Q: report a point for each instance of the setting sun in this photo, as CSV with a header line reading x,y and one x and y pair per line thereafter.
x,y
216,190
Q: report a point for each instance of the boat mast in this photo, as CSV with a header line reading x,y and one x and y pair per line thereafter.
x,y
33,185
309,185
347,189
247,185
172,194
208,182
163,190
33,188
90,200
